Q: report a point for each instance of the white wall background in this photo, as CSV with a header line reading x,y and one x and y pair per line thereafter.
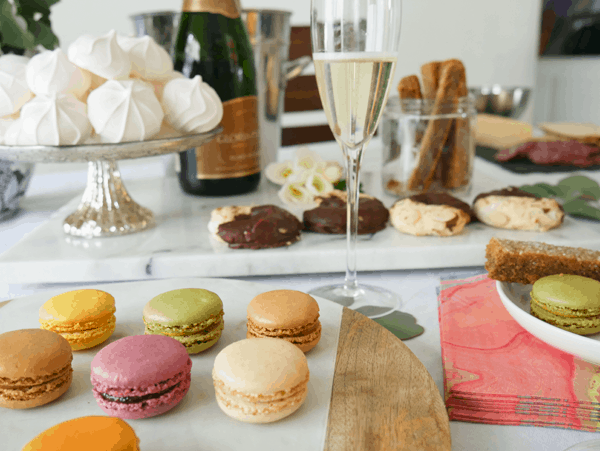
x,y
497,40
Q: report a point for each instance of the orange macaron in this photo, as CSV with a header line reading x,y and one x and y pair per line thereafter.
x,y
92,433
85,318
287,314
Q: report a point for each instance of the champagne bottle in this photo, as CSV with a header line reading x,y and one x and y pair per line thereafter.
x,y
212,42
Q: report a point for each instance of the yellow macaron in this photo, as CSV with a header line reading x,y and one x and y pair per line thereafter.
x,y
85,318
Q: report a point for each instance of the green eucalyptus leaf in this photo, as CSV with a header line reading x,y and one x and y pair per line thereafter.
x,y
540,189
579,207
580,185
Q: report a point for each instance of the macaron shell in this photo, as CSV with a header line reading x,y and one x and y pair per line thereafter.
x,y
577,295
283,309
35,368
261,366
40,395
93,433
248,413
197,342
183,307
90,338
304,338
78,306
139,361
577,325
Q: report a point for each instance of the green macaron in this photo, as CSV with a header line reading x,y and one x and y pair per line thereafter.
x,y
568,301
192,316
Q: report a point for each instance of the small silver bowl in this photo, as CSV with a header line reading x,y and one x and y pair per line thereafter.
x,y
500,100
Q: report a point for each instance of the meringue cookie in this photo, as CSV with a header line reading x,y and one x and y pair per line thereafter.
x,y
102,56
191,105
13,63
4,126
54,120
14,92
159,85
51,72
125,110
148,59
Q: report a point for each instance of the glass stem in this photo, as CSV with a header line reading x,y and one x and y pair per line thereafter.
x,y
353,159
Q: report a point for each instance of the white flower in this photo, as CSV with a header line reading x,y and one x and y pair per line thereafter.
x,y
294,193
306,159
332,171
279,173
317,184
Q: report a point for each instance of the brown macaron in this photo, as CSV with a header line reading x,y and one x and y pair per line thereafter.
x,y
287,314
35,367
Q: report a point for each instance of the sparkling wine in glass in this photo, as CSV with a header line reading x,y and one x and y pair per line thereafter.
x,y
355,45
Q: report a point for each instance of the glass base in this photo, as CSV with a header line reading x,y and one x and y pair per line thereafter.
x,y
371,301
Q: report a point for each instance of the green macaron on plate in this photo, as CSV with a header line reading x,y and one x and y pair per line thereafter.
x,y
517,300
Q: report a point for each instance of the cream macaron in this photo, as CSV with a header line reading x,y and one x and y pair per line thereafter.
x,y
260,380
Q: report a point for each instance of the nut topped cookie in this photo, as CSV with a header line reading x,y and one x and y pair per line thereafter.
x,y
512,208
330,214
430,214
260,227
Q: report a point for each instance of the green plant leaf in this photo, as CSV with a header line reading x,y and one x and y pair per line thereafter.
x,y
540,189
579,207
11,32
341,185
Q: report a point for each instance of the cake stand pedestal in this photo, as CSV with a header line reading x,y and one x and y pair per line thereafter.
x,y
106,209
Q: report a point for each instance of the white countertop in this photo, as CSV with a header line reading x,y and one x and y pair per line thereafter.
x,y
54,185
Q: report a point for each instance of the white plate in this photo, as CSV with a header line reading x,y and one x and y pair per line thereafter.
x,y
515,298
196,422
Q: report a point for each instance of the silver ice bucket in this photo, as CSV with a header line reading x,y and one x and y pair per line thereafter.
x,y
269,33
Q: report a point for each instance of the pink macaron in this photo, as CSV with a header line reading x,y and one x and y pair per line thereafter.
x,y
141,376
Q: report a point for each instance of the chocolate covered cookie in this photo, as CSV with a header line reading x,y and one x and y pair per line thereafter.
x,y
260,227
512,208
330,215
430,214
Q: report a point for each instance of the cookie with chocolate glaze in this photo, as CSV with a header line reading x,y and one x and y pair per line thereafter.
x,y
430,214
512,208
330,214
260,227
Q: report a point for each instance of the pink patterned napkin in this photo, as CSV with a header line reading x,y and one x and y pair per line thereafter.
x,y
496,372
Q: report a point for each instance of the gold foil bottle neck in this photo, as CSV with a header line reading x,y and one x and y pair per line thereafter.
x,y
227,8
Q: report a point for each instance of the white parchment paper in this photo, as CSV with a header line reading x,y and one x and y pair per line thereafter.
x,y
196,423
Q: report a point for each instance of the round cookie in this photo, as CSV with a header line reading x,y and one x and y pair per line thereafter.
x,y
330,216
85,318
140,376
192,316
90,433
261,227
430,214
260,380
35,368
567,301
512,208
287,314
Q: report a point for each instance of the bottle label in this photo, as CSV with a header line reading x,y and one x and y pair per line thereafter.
x,y
235,152
227,8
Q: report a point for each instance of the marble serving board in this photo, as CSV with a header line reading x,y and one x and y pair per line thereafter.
x,y
180,244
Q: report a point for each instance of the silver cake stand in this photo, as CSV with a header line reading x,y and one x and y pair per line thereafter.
x,y
106,209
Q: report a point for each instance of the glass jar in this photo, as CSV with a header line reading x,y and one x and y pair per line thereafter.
x,y
428,147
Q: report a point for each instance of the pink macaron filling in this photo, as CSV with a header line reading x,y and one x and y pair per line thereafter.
x,y
144,402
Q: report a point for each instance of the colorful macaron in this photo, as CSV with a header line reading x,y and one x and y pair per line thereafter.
x,y
260,380
140,376
192,316
35,368
567,301
89,433
287,314
85,318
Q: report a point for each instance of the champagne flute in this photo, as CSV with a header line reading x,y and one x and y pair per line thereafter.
x,y
355,44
